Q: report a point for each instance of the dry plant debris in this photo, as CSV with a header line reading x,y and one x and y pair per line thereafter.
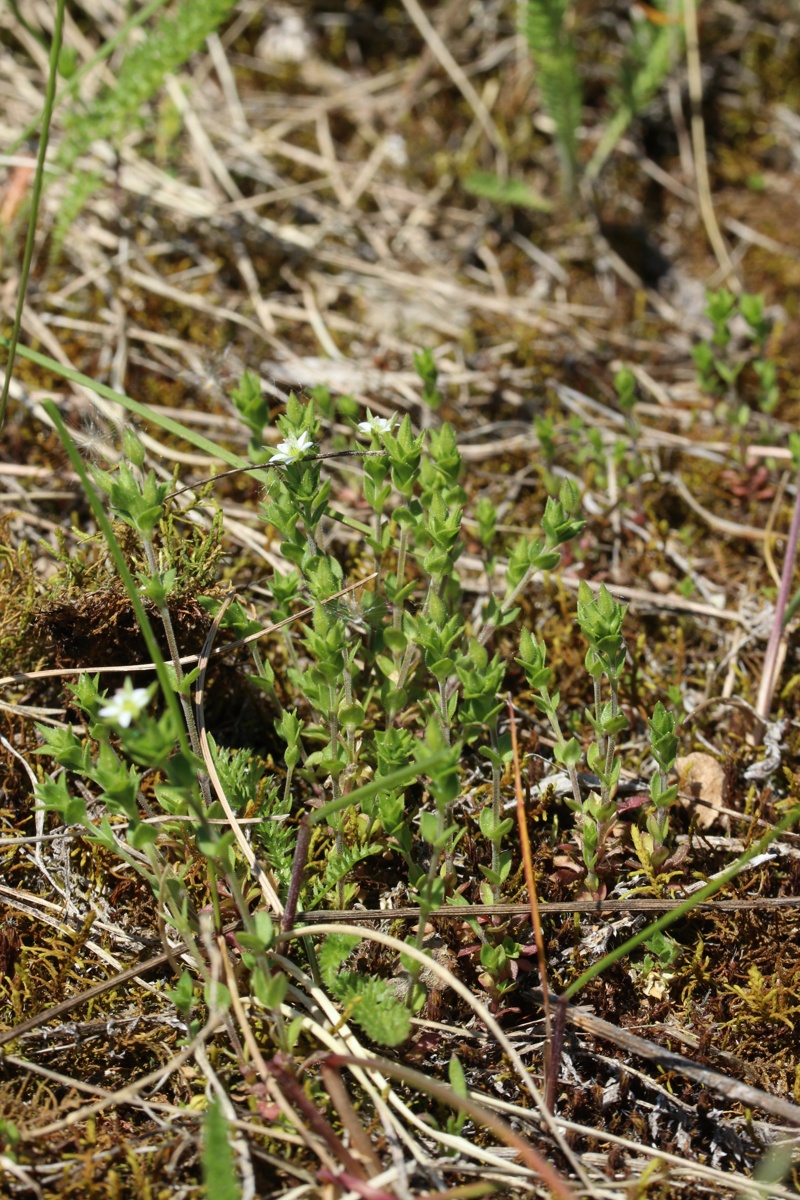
x,y
297,198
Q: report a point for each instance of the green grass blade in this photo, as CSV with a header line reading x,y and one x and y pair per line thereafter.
x,y
129,582
675,914
140,410
36,196
168,424
386,783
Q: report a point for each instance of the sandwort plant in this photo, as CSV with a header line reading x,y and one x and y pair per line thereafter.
x,y
381,705
368,696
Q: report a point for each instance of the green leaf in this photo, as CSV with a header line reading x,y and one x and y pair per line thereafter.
x,y
352,716
182,995
429,827
53,796
381,1015
269,990
173,800
372,1003
494,832
489,186
104,835
568,753
395,640
216,995
294,1031
140,835
333,952
219,1172
262,936
458,1080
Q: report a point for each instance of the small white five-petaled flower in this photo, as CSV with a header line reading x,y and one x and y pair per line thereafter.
x,y
377,425
126,704
293,448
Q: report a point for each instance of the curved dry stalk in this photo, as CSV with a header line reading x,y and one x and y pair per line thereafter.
x,y
445,1095
695,80
445,59
479,1009
344,1037
712,1175
721,524
265,882
770,669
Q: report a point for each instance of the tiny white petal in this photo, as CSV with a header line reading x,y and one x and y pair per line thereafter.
x,y
287,41
396,150
125,705
293,448
375,426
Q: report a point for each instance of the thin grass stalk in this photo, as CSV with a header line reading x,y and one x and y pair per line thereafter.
x,y
174,652
530,883
445,1095
129,583
144,411
71,86
460,989
768,680
36,196
686,906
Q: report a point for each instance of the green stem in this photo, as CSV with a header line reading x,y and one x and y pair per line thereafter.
x,y
174,652
598,708
443,721
555,725
508,600
115,550
36,195
675,914
287,790
496,807
212,887
73,84
397,615
377,554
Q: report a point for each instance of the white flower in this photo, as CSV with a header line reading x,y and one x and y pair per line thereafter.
x,y
287,41
375,426
295,447
395,150
126,704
